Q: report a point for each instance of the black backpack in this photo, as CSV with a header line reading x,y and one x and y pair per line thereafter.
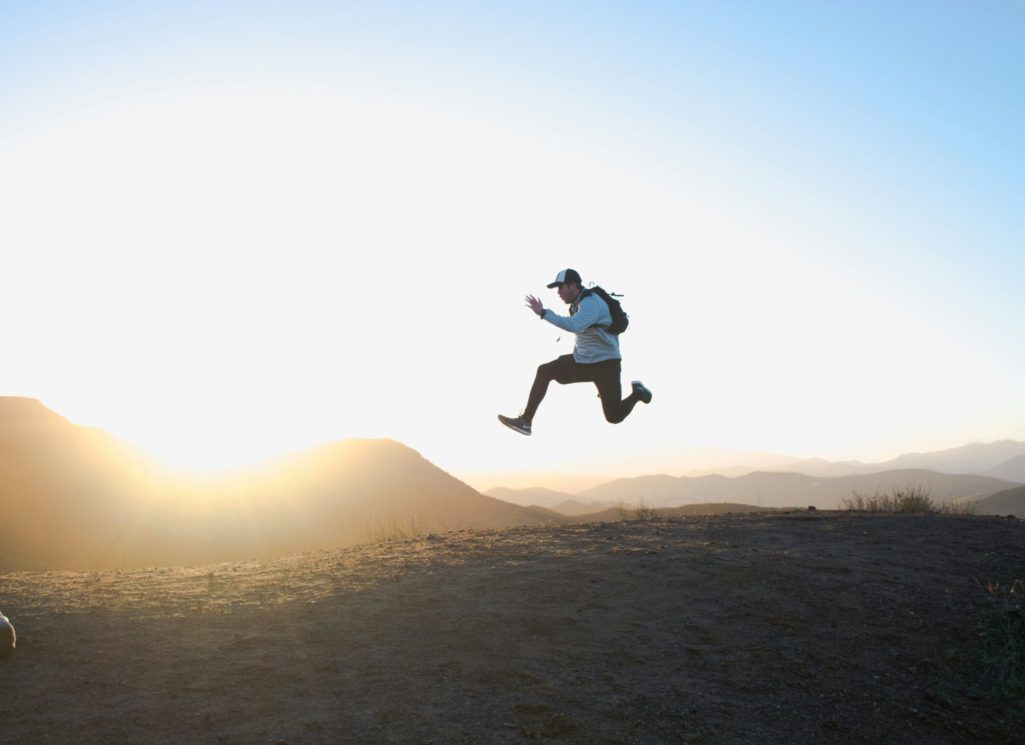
x,y
620,320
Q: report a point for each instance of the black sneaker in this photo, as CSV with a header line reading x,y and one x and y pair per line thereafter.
x,y
642,393
520,424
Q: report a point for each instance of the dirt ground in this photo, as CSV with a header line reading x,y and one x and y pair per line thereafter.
x,y
784,628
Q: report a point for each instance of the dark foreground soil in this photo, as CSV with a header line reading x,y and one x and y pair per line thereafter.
x,y
795,628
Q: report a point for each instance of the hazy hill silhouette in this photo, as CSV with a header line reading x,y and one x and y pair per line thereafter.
x,y
535,495
1007,502
72,496
62,487
821,468
1010,470
771,489
351,485
977,457
1003,460
575,508
559,502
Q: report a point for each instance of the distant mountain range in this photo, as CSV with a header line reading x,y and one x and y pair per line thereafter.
x,y
71,496
766,489
76,497
972,472
537,496
1011,470
1003,459
975,458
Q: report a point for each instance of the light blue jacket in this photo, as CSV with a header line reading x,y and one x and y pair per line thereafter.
x,y
588,318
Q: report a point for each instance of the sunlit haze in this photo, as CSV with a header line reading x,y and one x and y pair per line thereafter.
x,y
228,234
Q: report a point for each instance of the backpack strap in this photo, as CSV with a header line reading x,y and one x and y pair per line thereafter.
x,y
576,306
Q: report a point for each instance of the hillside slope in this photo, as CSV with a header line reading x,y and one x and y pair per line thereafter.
x,y
75,497
1010,470
1007,502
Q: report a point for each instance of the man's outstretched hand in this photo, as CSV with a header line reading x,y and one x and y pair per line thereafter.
x,y
535,305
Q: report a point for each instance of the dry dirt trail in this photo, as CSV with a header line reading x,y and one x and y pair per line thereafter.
x,y
783,628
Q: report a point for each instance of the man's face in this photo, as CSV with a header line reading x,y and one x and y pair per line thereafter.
x,y
568,291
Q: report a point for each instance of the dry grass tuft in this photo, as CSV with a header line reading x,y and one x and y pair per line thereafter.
x,y
640,511
912,498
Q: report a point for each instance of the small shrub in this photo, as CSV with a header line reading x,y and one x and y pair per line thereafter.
x,y
639,512
956,508
913,498
1002,636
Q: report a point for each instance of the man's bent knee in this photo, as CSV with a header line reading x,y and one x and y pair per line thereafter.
x,y
613,416
546,371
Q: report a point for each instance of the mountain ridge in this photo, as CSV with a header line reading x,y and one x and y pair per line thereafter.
x,y
1010,470
983,459
788,489
1007,502
76,497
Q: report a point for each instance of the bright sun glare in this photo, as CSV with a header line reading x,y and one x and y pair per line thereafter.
x,y
211,245
212,253
203,242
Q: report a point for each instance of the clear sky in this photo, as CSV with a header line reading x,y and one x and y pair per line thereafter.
x,y
230,230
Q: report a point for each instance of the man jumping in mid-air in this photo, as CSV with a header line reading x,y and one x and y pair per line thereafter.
x,y
595,357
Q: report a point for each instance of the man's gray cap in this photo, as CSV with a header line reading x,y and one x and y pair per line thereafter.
x,y
566,275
